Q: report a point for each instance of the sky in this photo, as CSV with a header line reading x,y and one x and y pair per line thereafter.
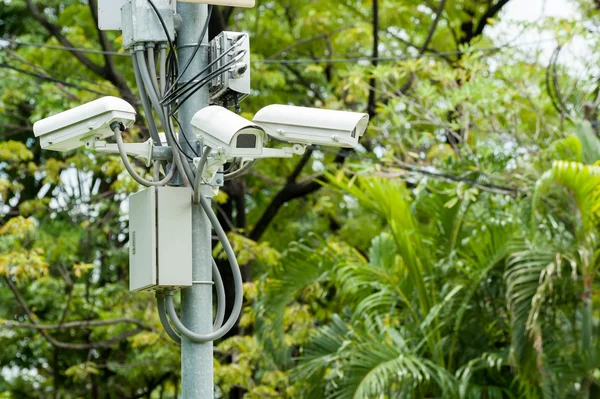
x,y
519,11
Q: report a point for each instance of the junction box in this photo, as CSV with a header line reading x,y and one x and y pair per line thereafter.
x,y
160,239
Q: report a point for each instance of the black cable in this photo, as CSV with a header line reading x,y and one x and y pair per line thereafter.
x,y
201,84
185,87
164,26
236,102
185,137
181,149
348,60
197,48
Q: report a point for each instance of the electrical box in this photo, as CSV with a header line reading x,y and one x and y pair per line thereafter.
x,y
109,12
140,24
231,3
160,238
234,82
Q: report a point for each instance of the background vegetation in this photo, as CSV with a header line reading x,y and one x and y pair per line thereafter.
x,y
454,255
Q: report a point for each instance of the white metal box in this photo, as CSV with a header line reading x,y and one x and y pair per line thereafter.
x,y
160,238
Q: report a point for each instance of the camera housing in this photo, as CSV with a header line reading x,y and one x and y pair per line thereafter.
x,y
302,125
225,131
72,129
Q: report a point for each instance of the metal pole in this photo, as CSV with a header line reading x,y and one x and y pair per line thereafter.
x,y
196,302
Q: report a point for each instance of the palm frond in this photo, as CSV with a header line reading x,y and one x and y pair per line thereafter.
x,y
391,199
590,144
303,264
377,368
584,183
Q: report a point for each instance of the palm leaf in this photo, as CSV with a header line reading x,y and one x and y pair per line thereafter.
x,y
584,183
303,264
590,144
377,368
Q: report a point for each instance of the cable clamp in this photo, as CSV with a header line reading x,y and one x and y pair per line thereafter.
x,y
203,282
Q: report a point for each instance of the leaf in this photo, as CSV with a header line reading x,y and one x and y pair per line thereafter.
x,y
590,144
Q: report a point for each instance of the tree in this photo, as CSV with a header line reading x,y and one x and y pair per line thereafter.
x,y
463,136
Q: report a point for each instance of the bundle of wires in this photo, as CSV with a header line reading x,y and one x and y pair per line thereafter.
x,y
161,96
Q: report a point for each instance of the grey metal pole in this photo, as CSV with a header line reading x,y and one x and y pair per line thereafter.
x,y
197,378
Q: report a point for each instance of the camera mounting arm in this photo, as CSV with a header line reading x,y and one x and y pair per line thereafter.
x,y
144,151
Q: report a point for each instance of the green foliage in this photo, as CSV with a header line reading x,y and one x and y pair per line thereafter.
x,y
455,254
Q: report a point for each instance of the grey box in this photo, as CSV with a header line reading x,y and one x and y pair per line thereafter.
x,y
234,83
140,24
160,239
109,14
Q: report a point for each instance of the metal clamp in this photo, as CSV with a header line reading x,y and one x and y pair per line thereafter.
x,y
203,282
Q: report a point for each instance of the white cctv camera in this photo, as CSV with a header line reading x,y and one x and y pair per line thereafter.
x,y
74,128
307,126
228,133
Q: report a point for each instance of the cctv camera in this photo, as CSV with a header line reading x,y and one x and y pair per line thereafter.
x,y
73,128
312,125
225,131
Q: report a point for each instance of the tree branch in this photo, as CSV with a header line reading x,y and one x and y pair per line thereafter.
x,y
290,191
371,103
54,30
302,80
416,47
309,40
77,324
490,13
110,68
65,345
432,29
425,45
467,27
51,79
42,70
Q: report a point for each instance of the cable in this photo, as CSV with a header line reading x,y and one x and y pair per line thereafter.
x,y
140,63
164,320
177,92
164,27
201,84
117,128
199,170
185,138
146,106
63,48
349,60
218,322
162,70
220,288
152,66
416,169
239,172
70,75
441,54
237,280
198,45
51,79
175,89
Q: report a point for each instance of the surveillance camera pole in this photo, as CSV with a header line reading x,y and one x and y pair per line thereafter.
x,y
196,301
